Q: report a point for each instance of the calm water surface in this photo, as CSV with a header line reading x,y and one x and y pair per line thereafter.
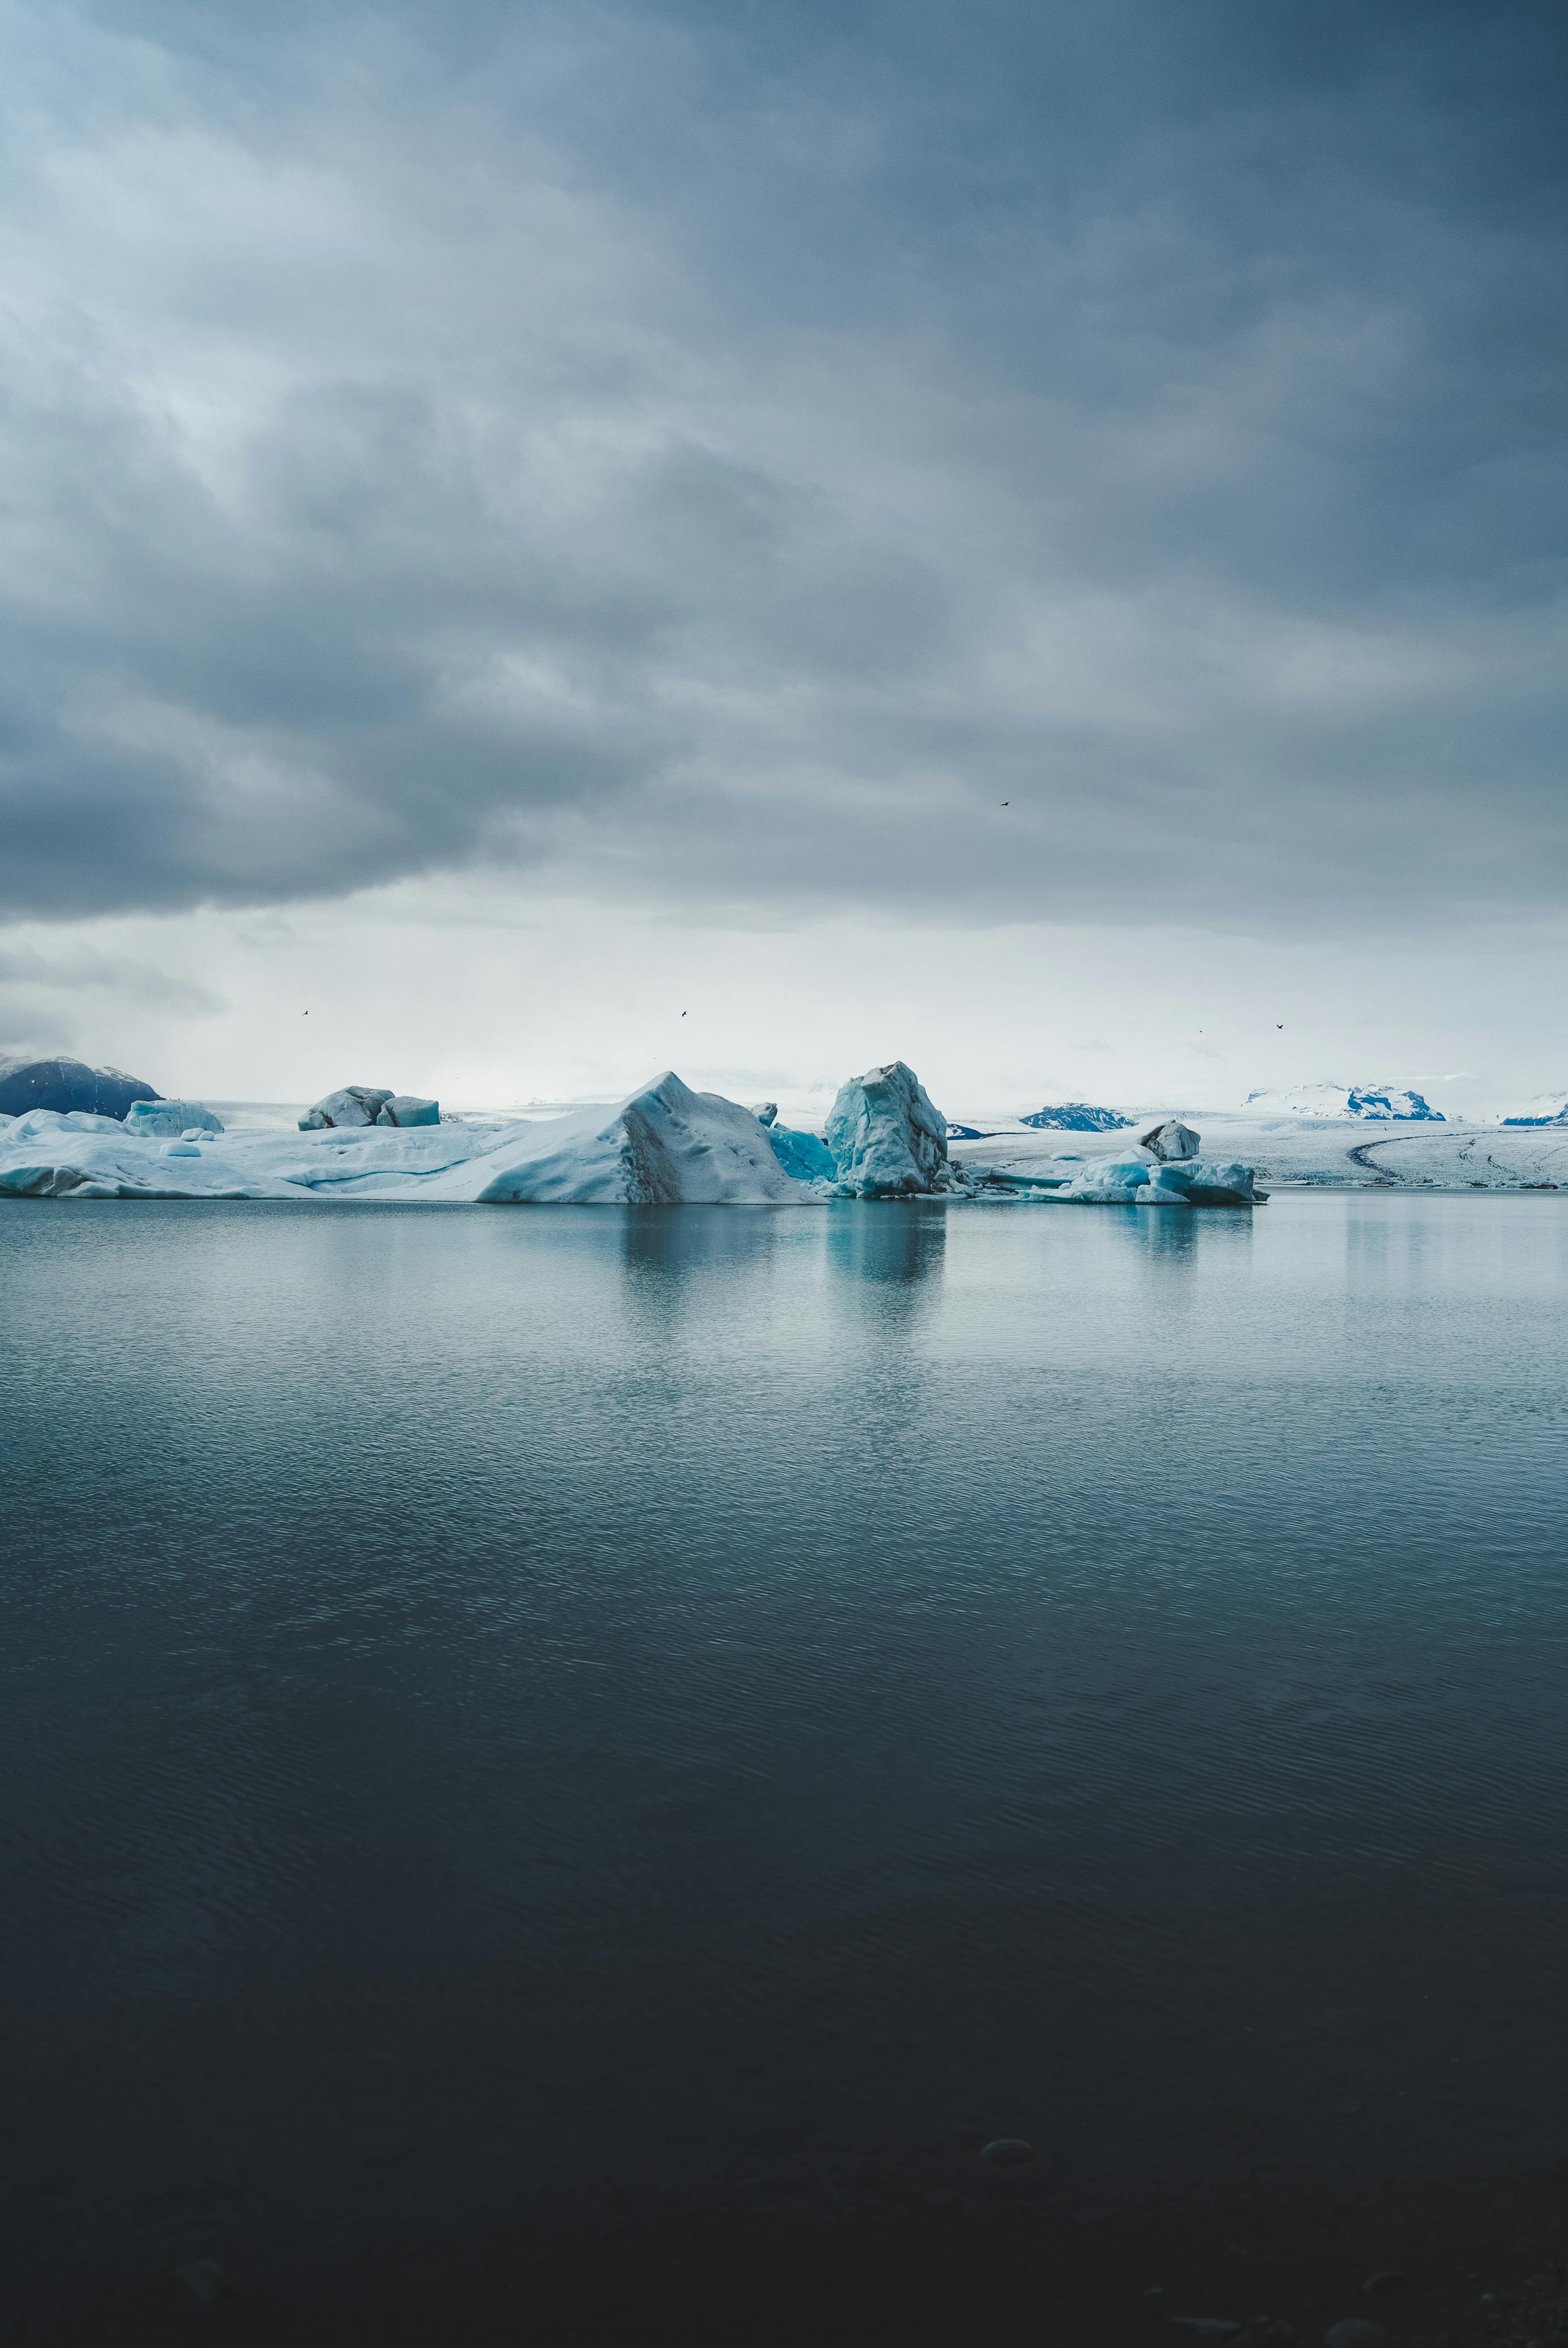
x,y
497,1703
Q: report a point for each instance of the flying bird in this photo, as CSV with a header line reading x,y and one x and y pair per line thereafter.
x,y
1279,1027
683,1014
1007,803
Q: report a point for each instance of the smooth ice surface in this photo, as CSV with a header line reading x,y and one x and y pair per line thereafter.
x,y
805,1155
507,1706
888,1138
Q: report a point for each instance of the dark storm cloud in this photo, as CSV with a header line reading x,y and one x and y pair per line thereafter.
x,y
717,454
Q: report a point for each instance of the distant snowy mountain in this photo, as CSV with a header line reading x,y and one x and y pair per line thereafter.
x,y
1546,1109
1377,1104
68,1086
1076,1116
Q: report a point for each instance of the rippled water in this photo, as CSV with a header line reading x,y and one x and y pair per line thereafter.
x,y
495,1701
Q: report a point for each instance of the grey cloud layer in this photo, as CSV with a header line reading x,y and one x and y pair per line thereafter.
x,y
716,455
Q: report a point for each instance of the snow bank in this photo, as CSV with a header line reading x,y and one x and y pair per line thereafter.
x,y
67,1087
888,1140
1377,1104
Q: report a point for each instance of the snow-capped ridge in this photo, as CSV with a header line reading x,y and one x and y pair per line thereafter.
x,y
1374,1103
1546,1109
1075,1116
67,1087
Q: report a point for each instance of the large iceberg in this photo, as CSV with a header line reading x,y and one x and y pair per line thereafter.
x,y
888,1138
355,1105
1377,1104
665,1146
67,1087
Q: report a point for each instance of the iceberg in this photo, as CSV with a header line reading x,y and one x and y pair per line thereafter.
x,y
1113,1183
1169,1139
665,1146
1377,1104
67,1087
355,1105
170,1118
1075,1116
1185,1181
350,1104
1206,1184
887,1137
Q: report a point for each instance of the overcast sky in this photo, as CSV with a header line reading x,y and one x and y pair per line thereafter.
x,y
514,516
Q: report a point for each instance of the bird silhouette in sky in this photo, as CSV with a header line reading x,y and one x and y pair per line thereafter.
x,y
683,1014
1279,1027
1007,803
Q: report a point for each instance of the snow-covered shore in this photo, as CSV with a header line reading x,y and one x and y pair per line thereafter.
x,y
1323,1153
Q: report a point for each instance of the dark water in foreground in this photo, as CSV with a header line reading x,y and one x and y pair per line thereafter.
x,y
506,1710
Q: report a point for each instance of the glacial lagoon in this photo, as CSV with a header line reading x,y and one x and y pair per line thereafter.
x,y
512,1719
